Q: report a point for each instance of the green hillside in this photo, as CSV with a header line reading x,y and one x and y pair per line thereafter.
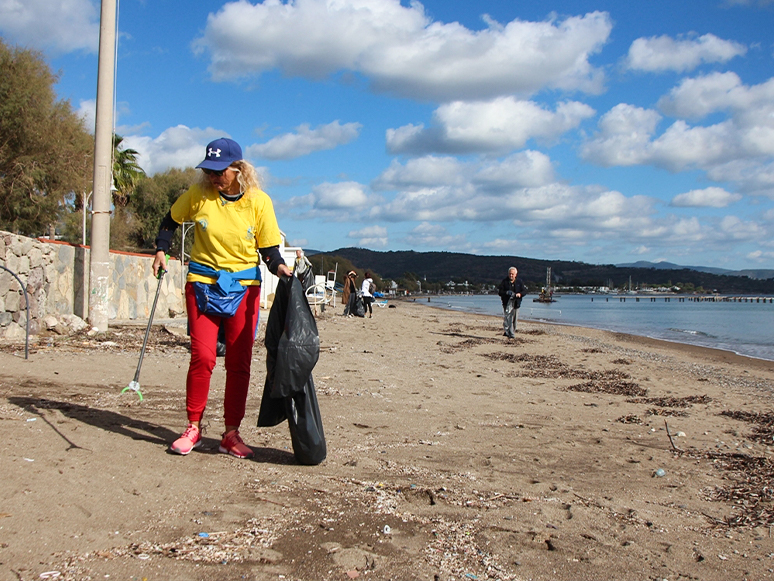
x,y
446,266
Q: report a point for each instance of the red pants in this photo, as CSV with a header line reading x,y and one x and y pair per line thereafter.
x,y
240,336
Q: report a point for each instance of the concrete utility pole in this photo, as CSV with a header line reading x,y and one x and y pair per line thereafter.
x,y
99,271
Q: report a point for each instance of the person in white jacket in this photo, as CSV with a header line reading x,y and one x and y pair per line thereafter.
x,y
367,289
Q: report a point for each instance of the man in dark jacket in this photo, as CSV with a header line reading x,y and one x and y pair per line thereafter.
x,y
511,291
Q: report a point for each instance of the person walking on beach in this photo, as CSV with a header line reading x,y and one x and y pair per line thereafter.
x,y
302,270
368,290
235,228
511,291
349,295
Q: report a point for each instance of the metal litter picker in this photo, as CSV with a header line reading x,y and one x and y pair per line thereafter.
x,y
134,385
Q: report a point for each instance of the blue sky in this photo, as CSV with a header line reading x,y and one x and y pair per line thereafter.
x,y
599,131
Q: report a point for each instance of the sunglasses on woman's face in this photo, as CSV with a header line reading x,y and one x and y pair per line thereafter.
x,y
212,172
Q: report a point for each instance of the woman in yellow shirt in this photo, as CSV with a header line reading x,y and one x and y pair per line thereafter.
x,y
235,228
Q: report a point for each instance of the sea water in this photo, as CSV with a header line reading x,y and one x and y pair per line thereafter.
x,y
746,328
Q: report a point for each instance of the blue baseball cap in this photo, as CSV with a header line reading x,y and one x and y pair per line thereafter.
x,y
220,154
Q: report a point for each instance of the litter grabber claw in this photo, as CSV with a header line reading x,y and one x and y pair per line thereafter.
x,y
134,385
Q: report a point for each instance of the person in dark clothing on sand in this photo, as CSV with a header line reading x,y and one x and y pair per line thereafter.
x,y
511,291
349,296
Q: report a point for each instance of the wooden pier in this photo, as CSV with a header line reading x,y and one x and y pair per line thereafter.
x,y
697,299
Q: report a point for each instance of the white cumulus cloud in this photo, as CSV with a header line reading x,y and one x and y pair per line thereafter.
x,y
557,214
734,228
752,176
176,147
59,27
761,256
421,172
624,137
427,235
519,170
401,50
553,205
627,134
370,236
751,107
706,198
501,124
664,53
87,110
305,141
339,196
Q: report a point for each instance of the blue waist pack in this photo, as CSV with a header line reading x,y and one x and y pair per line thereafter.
x,y
223,297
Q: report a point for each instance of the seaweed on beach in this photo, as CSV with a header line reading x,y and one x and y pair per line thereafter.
x,y
535,332
667,412
592,350
550,367
545,366
605,375
622,361
460,328
763,430
614,387
673,402
751,492
455,329
546,360
118,338
466,344
629,419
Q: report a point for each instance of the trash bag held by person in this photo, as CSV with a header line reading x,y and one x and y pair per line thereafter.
x,y
292,350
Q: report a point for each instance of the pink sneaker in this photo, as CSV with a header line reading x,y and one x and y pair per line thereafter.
x,y
191,438
232,444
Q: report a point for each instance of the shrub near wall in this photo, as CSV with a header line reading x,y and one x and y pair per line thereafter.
x,y
56,275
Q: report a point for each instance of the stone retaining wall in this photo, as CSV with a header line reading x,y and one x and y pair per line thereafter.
x,y
56,275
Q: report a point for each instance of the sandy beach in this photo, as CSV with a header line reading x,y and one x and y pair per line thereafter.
x,y
453,453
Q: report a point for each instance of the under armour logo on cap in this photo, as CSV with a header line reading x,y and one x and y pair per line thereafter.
x,y
221,153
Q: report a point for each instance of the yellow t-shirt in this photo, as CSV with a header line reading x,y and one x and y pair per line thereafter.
x,y
227,235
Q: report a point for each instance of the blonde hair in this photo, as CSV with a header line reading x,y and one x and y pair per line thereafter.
x,y
246,176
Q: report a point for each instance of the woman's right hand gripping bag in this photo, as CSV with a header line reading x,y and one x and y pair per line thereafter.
x,y
292,351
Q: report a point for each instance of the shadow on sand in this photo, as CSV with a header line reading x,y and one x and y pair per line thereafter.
x,y
131,428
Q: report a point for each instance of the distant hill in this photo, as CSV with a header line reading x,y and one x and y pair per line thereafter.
x,y
446,266
760,274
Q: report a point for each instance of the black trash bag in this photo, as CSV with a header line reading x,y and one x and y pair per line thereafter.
x,y
359,309
292,342
303,415
307,279
350,308
292,350
220,348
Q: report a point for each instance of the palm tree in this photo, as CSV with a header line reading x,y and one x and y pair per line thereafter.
x,y
126,171
126,175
